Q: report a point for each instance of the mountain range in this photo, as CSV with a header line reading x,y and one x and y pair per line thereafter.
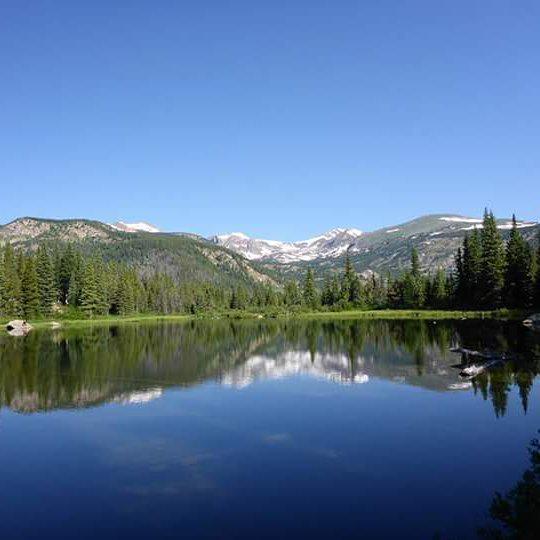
x,y
436,238
235,257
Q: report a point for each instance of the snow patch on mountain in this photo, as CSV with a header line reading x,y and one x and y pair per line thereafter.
x,y
459,219
140,226
504,226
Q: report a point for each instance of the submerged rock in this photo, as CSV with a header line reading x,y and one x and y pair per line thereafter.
x,y
18,328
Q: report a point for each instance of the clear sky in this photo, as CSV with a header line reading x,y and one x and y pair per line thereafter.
x,y
278,118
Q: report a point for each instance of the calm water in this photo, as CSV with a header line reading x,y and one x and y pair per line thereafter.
x,y
348,429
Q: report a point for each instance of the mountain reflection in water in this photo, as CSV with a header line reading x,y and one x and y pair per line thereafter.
x,y
134,364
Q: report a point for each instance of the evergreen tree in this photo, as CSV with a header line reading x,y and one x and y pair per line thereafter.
x,y
439,295
309,292
493,264
355,291
459,279
66,269
29,289
537,275
292,294
518,283
326,295
11,289
46,283
335,288
414,284
472,269
89,294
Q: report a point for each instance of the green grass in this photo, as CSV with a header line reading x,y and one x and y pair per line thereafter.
x,y
414,314
106,320
503,314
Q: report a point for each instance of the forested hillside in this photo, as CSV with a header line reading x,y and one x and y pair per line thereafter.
x,y
185,258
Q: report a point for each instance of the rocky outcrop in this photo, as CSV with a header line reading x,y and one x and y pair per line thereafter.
x,y
18,328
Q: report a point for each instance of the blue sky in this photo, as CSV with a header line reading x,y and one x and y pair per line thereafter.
x,y
277,118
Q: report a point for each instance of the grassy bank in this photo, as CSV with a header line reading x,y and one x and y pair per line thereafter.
x,y
106,320
503,314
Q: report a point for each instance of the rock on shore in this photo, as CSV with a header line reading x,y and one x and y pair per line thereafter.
x,y
18,328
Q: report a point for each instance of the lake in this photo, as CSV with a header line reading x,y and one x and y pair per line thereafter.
x,y
261,429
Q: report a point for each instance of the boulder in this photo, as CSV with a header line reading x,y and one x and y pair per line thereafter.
x,y
18,328
55,325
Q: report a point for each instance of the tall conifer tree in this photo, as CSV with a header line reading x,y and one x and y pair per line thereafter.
x,y
46,283
518,283
309,292
493,264
29,289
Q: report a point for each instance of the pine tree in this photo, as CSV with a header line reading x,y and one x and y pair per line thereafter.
x,y
292,294
309,292
29,289
537,276
125,298
493,263
414,284
2,282
11,290
350,289
439,290
355,291
46,284
472,269
459,279
518,283
89,295
335,290
66,269
326,295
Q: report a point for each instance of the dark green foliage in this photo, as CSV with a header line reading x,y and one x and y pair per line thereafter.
x,y
309,292
518,285
493,264
29,289
190,276
292,297
536,273
46,281
11,285
472,269
414,286
518,510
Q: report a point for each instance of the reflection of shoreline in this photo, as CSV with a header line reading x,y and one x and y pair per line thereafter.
x,y
133,365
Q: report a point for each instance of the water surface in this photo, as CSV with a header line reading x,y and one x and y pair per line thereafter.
x,y
341,429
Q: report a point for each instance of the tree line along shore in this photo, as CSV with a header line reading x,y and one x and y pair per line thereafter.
x,y
489,278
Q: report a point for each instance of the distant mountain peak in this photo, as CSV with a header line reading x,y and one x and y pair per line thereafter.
x,y
436,236
329,244
140,226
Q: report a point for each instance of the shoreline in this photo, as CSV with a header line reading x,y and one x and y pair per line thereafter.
x,y
514,315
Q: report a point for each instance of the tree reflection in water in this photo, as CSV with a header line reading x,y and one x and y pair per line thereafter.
x,y
86,367
518,512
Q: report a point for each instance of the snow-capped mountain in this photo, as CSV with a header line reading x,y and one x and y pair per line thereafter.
x,y
140,226
436,237
330,244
